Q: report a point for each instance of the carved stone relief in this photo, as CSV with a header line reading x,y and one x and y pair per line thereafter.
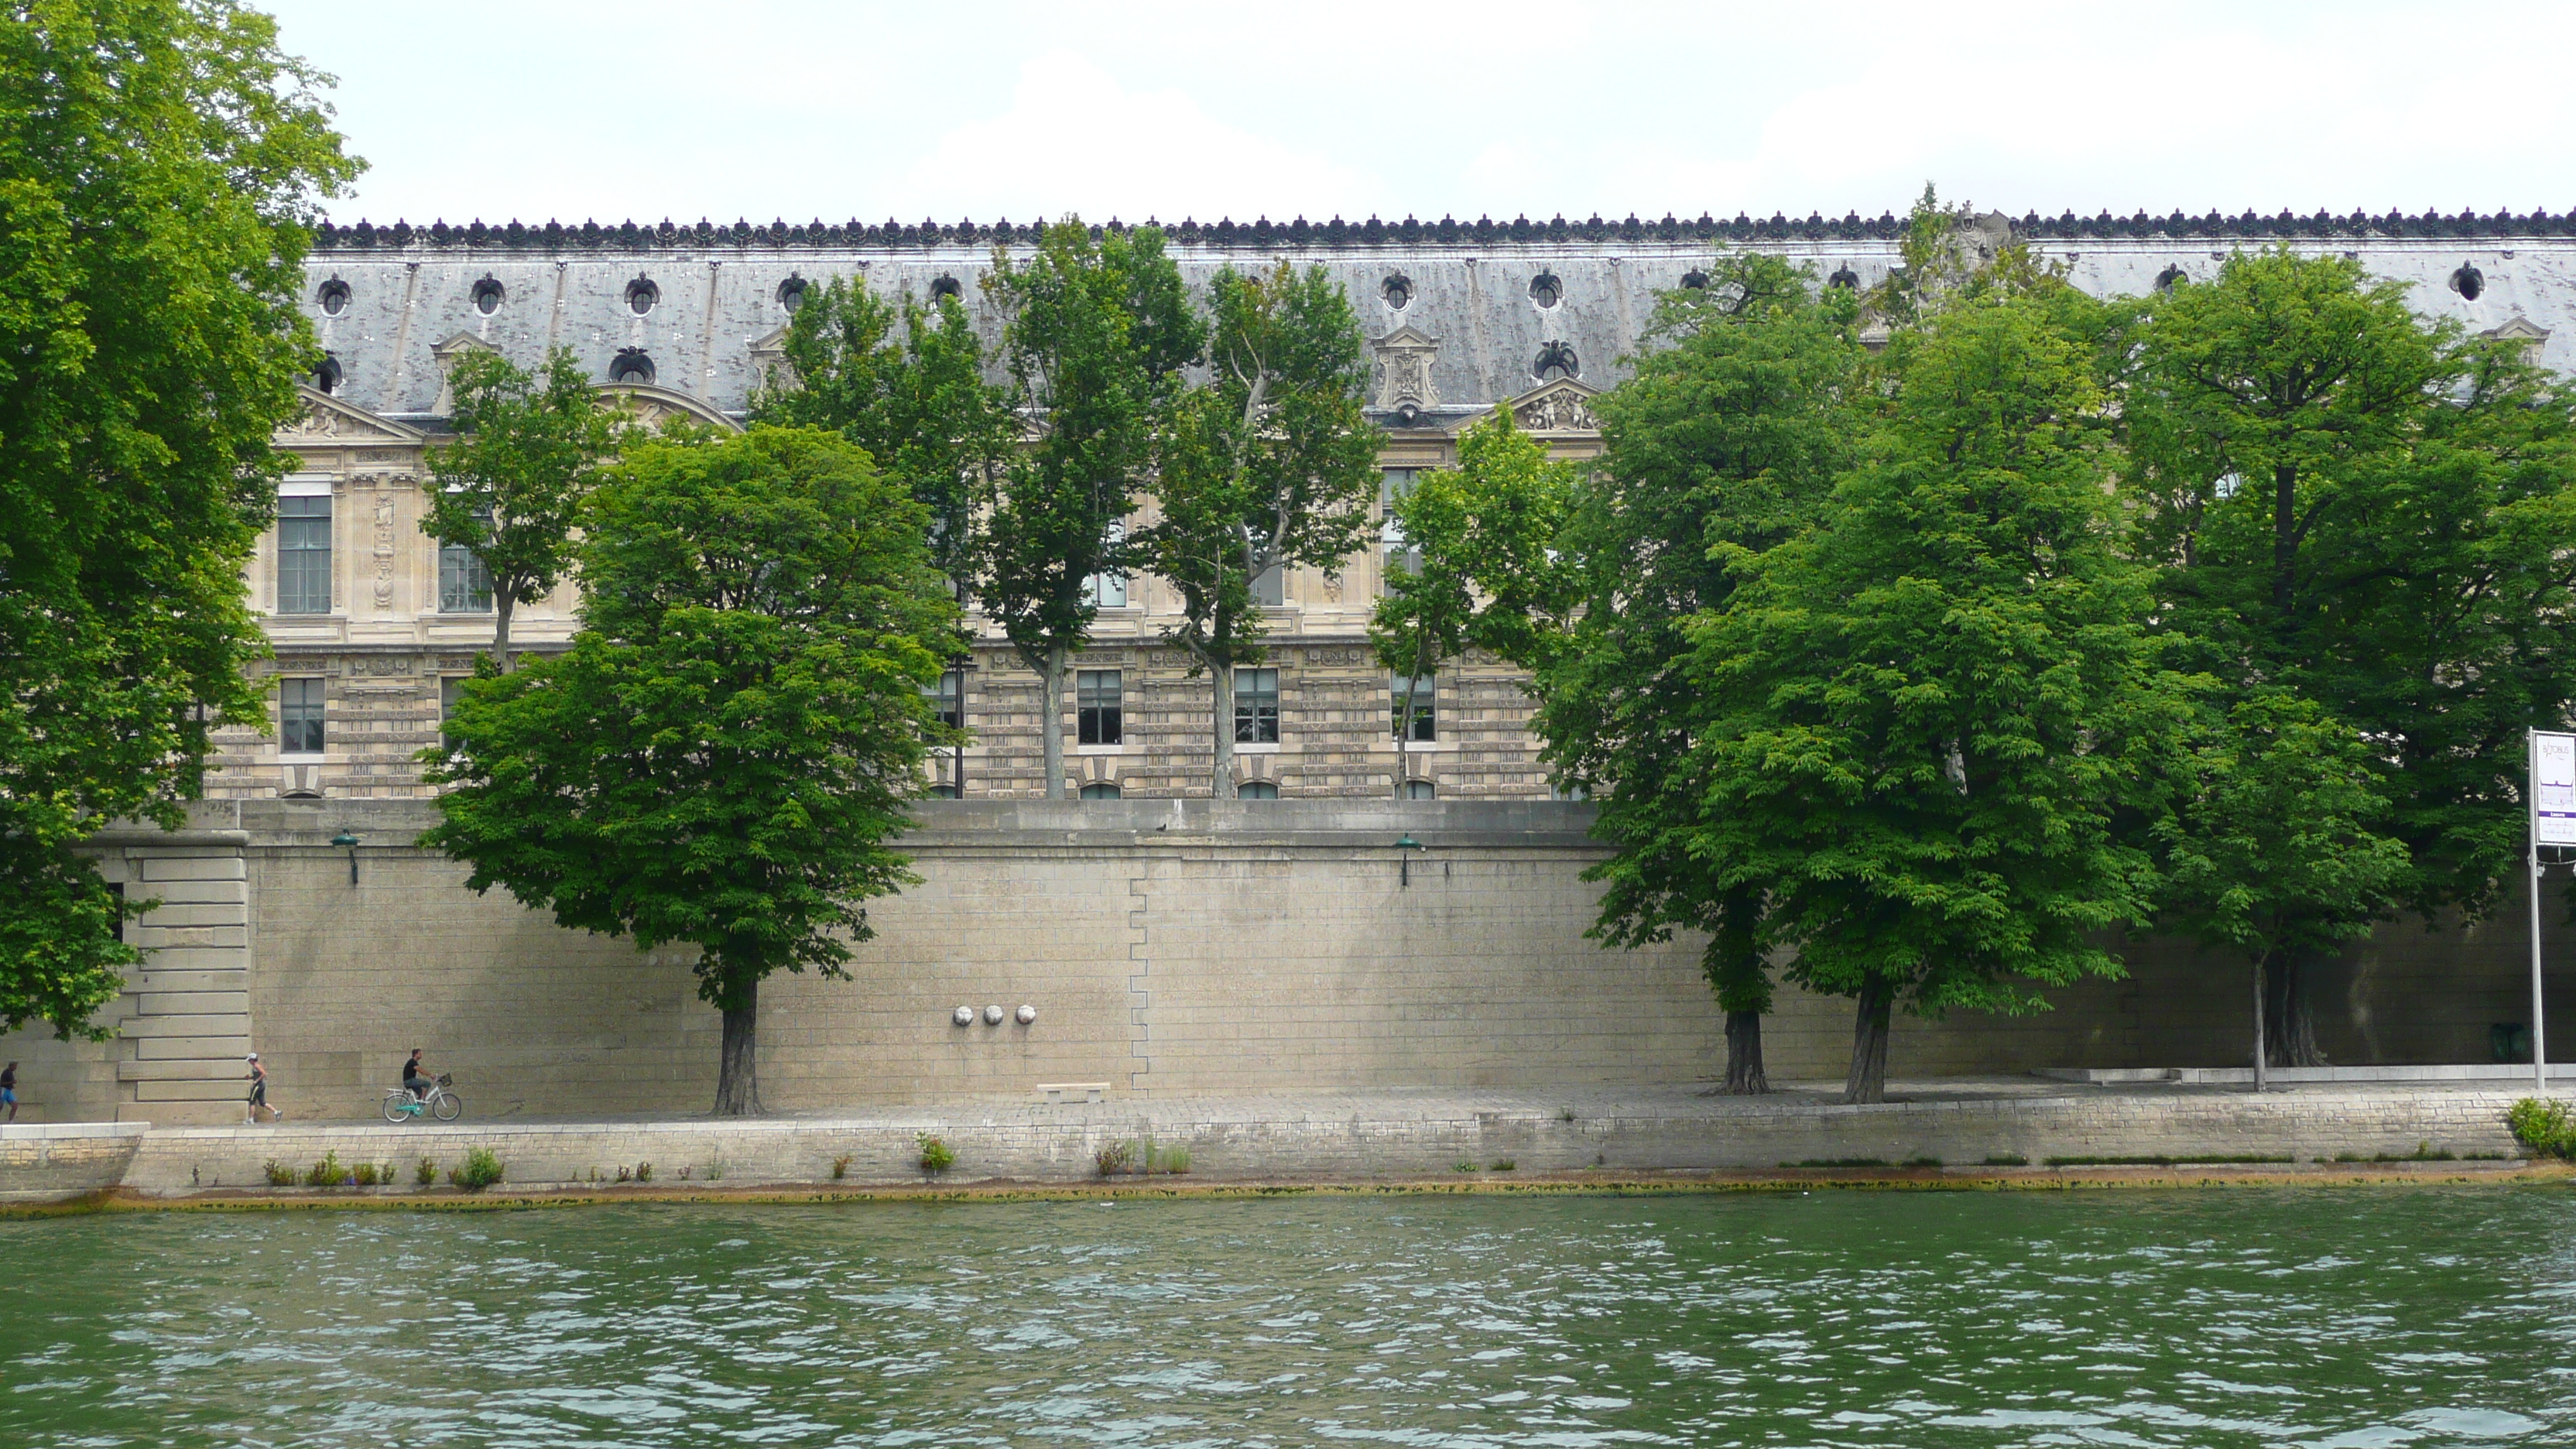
x,y
1556,410
1404,359
384,550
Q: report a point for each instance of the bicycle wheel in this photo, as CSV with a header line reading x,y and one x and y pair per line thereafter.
x,y
448,1106
393,1108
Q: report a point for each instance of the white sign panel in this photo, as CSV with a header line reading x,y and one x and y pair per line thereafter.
x,y
2553,792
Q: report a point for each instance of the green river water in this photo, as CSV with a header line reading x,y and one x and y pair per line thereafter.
x,y
2352,1318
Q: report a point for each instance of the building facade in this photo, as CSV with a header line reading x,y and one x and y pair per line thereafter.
x,y
372,622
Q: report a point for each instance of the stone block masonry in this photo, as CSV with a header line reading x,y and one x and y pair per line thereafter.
x,y
1169,948
1361,1137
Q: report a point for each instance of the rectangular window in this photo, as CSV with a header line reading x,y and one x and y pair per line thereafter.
x,y
1401,555
1425,690
450,688
1256,706
1270,587
304,555
299,716
1099,711
1108,588
464,583
947,699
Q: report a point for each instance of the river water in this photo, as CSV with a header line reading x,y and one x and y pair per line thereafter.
x,y
2349,1318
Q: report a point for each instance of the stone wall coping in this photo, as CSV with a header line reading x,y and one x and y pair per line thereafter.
x,y
62,1131
1644,1104
1338,823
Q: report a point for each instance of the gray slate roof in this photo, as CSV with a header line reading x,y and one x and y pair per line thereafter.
x,y
719,289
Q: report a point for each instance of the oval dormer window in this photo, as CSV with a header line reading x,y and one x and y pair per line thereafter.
x,y
641,294
791,293
2468,281
2170,278
631,365
1546,290
334,297
1398,291
487,296
1695,280
1845,278
944,285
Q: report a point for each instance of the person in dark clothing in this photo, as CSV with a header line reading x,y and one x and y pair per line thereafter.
x,y
259,1091
415,1077
9,1091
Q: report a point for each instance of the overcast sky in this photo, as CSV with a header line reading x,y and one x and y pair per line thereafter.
x,y
807,108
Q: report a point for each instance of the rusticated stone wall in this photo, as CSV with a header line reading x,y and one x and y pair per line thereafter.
x,y
1170,948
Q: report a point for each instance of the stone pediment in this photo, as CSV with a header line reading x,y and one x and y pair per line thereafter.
x,y
1562,408
653,405
328,420
1404,359
446,354
769,364
2521,329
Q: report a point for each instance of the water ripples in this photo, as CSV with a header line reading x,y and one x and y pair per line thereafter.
x,y
2333,1319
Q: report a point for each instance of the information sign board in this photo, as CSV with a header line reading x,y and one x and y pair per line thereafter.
x,y
2553,788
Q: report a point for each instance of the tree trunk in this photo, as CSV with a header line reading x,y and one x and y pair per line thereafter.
x,y
502,604
2285,543
1735,967
738,1077
1051,719
1868,1079
2290,1014
1221,772
1744,1075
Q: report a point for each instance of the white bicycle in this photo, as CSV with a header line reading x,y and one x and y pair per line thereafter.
x,y
446,1106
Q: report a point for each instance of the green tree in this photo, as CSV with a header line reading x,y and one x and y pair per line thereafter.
x,y
160,165
2356,506
528,450
724,753
1934,710
2273,853
1097,332
905,382
1728,437
1269,466
1477,567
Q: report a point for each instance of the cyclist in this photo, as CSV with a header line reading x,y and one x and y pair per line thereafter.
x,y
415,1077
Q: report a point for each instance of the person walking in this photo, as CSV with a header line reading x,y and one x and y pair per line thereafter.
x,y
259,1091
9,1091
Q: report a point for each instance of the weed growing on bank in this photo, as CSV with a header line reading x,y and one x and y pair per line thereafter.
x,y
936,1155
2544,1127
480,1170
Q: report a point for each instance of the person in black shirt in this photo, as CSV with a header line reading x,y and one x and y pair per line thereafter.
x,y
9,1091
415,1078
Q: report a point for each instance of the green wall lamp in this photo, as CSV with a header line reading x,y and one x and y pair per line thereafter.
x,y
344,838
1404,863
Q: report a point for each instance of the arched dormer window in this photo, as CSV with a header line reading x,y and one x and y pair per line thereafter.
x,y
641,294
630,365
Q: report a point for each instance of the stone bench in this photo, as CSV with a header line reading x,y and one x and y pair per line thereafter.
x,y
1058,1093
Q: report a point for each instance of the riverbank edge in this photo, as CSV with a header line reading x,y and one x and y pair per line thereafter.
x,y
2509,1173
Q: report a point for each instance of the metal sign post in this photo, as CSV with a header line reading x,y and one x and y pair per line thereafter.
x,y
2553,822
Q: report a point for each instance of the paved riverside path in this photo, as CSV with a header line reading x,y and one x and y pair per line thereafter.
x,y
1383,1135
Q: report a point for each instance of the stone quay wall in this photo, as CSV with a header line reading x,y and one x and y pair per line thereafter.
x,y
1362,1137
1171,948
